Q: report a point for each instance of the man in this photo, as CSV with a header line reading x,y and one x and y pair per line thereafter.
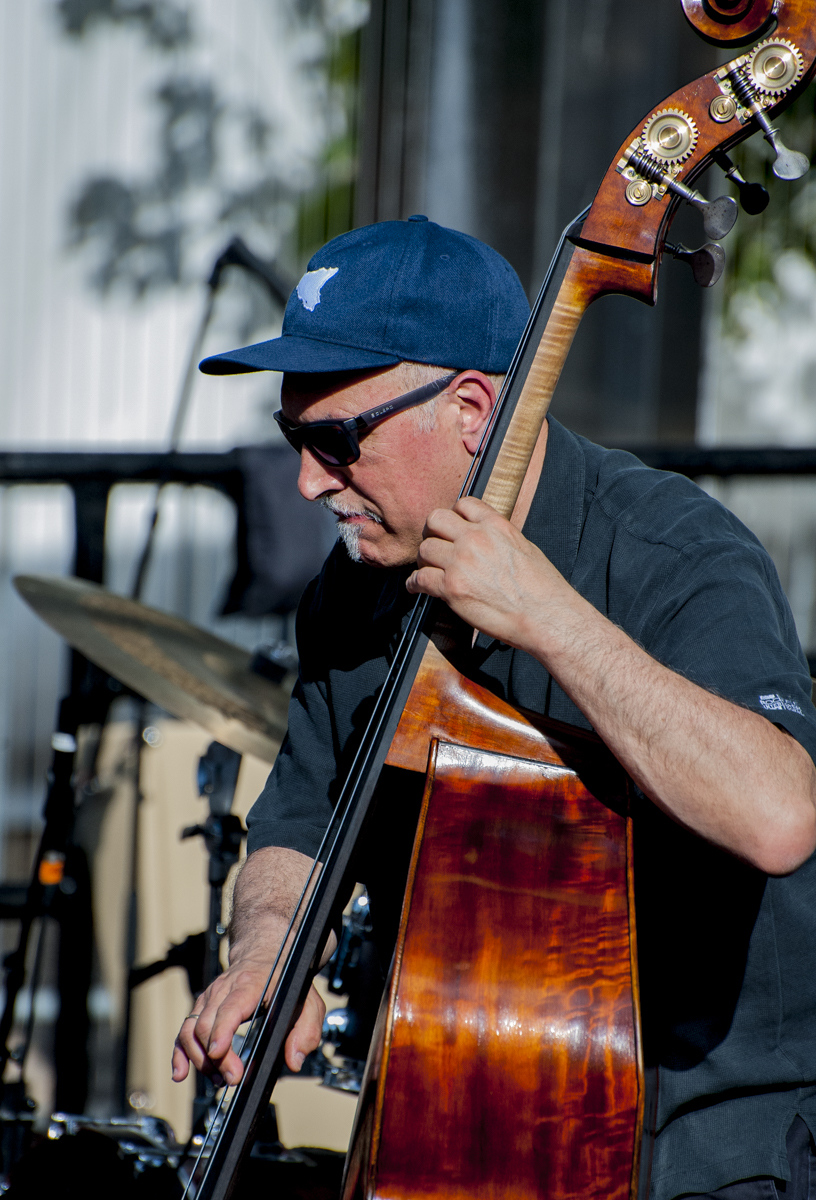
x,y
631,603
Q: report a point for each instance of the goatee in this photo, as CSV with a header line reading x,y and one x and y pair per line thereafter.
x,y
349,533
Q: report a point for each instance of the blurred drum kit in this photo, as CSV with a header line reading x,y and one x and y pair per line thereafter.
x,y
241,700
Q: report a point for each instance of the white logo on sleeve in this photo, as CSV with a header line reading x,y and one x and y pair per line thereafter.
x,y
776,703
309,287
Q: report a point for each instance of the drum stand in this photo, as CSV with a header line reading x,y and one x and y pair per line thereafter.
x,y
200,954
222,833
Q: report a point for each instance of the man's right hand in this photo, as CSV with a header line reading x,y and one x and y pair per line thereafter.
x,y
205,1037
266,894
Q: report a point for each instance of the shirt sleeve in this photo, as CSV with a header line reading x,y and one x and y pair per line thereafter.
x,y
294,808
723,621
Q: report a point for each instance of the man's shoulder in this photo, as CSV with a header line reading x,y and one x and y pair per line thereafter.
x,y
653,506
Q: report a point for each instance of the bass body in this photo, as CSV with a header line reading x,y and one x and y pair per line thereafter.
x,y
506,1061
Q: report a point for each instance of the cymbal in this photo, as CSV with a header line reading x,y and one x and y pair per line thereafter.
x,y
187,671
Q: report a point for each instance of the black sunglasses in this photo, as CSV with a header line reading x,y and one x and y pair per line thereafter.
x,y
337,443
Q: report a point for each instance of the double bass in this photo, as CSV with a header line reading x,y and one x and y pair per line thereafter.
x,y
507,1058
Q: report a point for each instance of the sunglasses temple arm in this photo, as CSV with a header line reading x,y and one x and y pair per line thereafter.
x,y
413,399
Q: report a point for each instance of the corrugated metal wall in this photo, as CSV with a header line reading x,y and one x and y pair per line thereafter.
x,y
135,141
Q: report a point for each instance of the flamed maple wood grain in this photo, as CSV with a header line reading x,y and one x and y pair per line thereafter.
x,y
446,705
588,276
507,1063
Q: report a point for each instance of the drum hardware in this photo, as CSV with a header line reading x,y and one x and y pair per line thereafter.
x,y
148,1141
191,674
268,1146
17,1112
60,886
345,1078
274,660
244,700
189,955
132,911
353,971
222,833
277,1170
199,954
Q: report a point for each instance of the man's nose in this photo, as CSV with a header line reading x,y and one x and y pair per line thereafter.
x,y
316,478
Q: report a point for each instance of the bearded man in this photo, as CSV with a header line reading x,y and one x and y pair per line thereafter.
x,y
632,604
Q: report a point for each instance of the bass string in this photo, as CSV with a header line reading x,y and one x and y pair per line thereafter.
x,y
332,838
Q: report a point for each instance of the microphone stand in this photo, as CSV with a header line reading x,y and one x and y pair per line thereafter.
x,y
236,254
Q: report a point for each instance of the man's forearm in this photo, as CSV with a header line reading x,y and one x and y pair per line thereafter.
x,y
266,894
723,771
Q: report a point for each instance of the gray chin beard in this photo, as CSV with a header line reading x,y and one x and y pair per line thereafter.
x,y
350,537
349,534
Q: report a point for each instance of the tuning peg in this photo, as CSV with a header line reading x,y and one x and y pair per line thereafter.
x,y
718,215
753,196
707,264
788,164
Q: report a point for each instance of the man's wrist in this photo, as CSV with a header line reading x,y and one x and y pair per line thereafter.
x,y
558,629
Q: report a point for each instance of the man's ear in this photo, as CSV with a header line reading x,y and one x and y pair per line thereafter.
x,y
476,396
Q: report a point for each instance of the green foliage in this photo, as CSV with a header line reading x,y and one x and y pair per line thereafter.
x,y
327,209
789,221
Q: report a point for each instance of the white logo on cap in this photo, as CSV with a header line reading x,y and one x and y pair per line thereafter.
x,y
309,287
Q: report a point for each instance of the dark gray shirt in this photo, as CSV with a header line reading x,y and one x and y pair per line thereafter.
x,y
726,953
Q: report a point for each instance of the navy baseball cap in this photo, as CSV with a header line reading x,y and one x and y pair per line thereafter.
x,y
396,291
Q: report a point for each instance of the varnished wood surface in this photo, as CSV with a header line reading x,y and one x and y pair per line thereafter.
x,y
612,221
728,22
588,276
445,704
508,1063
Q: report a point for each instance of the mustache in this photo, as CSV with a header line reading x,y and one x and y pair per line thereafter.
x,y
340,511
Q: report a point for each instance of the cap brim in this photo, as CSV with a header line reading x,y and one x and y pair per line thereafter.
x,y
291,353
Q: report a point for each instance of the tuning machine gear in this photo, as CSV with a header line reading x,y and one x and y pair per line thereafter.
x,y
651,162
753,196
755,82
669,135
641,170
775,66
707,264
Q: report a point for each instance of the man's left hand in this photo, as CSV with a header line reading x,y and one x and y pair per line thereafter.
x,y
488,573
